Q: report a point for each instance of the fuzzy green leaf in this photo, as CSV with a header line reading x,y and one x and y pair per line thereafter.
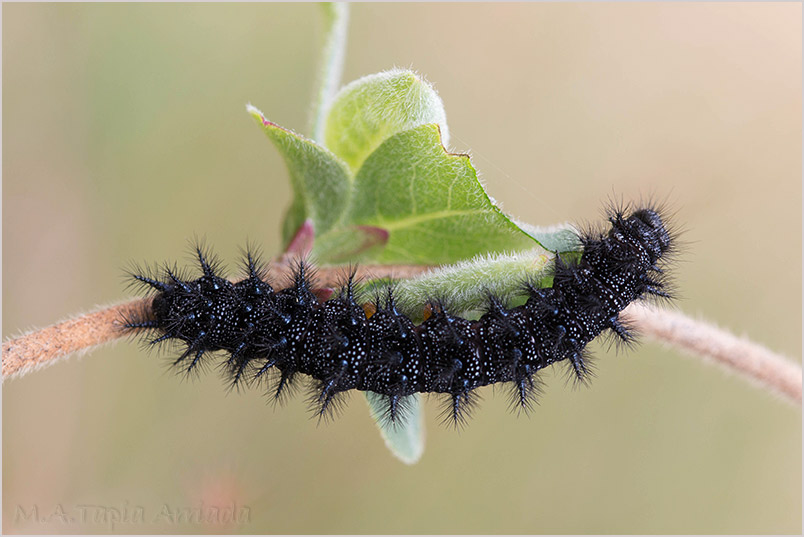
x,y
321,181
374,108
430,202
406,441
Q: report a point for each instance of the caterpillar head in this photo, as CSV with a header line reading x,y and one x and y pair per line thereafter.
x,y
652,231
644,227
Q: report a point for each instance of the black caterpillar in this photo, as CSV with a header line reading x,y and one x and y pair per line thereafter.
x,y
335,342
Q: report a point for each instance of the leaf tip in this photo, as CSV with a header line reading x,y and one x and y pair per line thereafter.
x,y
259,116
254,111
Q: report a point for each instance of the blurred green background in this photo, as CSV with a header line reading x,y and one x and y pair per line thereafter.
x,y
125,133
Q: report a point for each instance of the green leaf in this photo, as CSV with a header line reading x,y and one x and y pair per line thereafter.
x,y
375,107
321,181
406,441
430,202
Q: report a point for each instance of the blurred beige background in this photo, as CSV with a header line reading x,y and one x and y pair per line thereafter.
x,y
125,133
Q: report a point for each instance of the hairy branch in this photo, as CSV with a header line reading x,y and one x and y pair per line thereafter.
x,y
771,371
766,368
41,348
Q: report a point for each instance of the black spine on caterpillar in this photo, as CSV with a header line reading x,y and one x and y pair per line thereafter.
x,y
292,332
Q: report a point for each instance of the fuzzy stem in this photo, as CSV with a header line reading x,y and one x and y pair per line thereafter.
x,y
336,21
754,362
465,286
40,348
